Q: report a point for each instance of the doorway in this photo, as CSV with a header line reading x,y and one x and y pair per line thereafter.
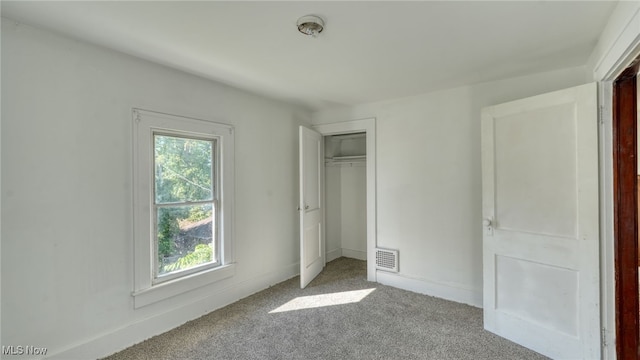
x,y
345,196
625,189
364,129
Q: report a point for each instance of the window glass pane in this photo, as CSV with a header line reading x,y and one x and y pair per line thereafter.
x,y
185,237
182,169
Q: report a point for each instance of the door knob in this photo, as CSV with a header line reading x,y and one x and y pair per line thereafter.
x,y
306,207
488,226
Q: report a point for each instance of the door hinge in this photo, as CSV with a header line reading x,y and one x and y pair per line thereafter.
x,y
601,114
137,116
603,337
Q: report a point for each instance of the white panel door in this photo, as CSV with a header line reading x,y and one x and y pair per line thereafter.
x,y
541,236
311,206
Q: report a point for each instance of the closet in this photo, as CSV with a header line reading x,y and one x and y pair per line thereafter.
x,y
346,196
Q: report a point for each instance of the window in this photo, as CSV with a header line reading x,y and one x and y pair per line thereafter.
x,y
184,206
183,187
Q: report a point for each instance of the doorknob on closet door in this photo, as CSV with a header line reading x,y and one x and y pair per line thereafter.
x,y
306,207
488,226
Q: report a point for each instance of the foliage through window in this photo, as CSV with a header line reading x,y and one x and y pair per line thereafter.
x,y
185,206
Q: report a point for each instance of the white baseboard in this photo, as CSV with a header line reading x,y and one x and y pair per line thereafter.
x,y
354,254
333,254
113,341
427,287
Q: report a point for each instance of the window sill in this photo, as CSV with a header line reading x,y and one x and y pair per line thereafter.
x,y
181,285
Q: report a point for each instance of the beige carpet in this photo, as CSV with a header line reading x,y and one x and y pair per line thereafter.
x,y
366,321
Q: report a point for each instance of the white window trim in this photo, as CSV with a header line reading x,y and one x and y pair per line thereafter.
x,y
145,123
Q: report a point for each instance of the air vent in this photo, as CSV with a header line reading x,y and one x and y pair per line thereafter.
x,y
387,260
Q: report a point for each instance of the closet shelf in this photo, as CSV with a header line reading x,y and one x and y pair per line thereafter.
x,y
358,160
347,158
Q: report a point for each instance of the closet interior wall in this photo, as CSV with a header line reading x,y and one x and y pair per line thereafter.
x,y
346,196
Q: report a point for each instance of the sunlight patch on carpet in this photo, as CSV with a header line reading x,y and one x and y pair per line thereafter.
x,y
316,301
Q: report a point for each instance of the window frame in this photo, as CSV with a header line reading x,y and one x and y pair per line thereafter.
x,y
148,287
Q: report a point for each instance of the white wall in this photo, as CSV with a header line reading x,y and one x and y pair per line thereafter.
x,y
0,202
346,211
67,263
333,212
618,42
354,211
429,179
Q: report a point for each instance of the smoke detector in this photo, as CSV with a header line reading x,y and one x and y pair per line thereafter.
x,y
310,25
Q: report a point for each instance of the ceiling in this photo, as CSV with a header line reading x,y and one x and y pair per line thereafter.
x,y
369,51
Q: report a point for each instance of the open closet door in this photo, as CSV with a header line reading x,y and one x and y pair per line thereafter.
x,y
311,206
541,234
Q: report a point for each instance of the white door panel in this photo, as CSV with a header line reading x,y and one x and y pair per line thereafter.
x,y
541,244
311,209
312,248
535,170
313,157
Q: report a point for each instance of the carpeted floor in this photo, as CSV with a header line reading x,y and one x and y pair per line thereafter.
x,y
387,323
